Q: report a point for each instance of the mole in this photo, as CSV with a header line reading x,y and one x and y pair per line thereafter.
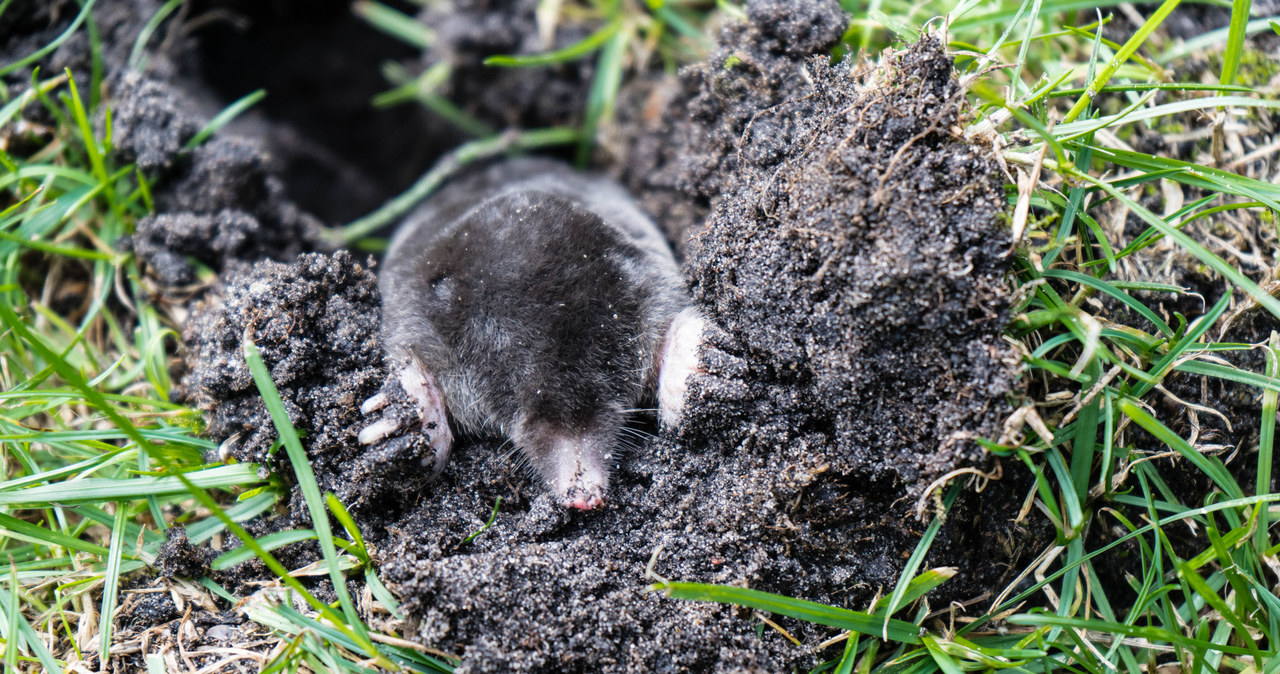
x,y
531,301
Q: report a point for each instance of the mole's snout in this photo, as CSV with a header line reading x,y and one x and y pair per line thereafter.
x,y
580,498
573,465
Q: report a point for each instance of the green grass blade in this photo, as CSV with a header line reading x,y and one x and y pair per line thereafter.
x,y
1124,298
111,583
1205,592
1157,86
908,575
1138,112
344,518
16,105
923,584
492,516
476,150
945,663
1208,465
580,49
831,616
850,655
11,639
1084,442
1235,40
36,644
395,23
1197,330
1195,175
136,62
381,593
243,510
603,94
1266,441
1154,634
267,558
268,542
37,534
1020,61
307,483
1191,513
223,118
96,159
57,42
1126,51
1229,373
96,490
1192,246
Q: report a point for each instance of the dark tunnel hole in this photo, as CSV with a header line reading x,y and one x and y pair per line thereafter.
x,y
340,156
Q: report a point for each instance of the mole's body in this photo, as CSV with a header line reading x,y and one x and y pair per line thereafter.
x,y
537,303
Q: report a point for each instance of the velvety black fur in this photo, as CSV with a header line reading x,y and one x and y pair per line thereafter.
x,y
529,296
537,298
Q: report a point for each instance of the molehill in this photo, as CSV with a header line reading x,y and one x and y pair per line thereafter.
x,y
842,236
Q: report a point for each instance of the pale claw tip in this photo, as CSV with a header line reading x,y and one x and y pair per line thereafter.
x,y
377,431
374,403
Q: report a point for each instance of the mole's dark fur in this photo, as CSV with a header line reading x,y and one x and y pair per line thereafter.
x,y
533,302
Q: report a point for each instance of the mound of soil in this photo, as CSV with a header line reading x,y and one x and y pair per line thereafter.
x,y
846,247
676,144
835,392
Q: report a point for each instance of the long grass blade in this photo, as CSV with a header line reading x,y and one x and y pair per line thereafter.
x,y
306,482
854,621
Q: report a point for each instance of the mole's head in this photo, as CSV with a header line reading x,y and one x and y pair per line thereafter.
x,y
548,312
574,462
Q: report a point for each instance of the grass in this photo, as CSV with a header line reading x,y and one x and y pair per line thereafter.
x,y
1060,101
98,463
630,33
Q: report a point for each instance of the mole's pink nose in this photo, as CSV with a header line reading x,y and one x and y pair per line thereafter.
x,y
582,501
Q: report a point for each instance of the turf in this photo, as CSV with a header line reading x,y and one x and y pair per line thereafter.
x,y
98,463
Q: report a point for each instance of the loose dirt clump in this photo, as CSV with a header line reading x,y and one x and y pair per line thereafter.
x,y
857,266
833,396
315,323
178,557
676,145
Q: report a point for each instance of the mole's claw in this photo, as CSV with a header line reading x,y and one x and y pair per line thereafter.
x,y
421,386
409,394
375,402
378,431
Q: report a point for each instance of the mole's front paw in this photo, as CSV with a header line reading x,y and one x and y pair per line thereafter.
x,y
410,400
677,361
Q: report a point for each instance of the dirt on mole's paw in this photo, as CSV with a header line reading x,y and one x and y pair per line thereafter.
x,y
315,323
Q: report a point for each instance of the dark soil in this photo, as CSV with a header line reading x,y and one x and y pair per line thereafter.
x,y
851,258
786,477
677,144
